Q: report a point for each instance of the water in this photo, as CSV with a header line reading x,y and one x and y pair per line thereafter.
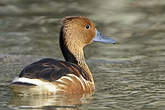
x,y
128,75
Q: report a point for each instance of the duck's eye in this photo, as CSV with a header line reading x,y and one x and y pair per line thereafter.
x,y
87,26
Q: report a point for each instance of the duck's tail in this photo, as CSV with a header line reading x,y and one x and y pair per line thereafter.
x,y
23,85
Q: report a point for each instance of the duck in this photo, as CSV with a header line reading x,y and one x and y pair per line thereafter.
x,y
72,76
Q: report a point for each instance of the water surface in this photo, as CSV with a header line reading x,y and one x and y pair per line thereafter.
x,y
128,75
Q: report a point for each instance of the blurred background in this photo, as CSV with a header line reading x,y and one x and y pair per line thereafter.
x,y
128,75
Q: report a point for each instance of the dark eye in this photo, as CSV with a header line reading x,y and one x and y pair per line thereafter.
x,y
87,26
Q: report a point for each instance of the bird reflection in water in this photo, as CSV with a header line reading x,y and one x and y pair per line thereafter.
x,y
45,102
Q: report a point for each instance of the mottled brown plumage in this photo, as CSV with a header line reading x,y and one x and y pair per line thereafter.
x,y
49,69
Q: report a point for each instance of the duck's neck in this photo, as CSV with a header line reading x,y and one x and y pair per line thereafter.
x,y
74,54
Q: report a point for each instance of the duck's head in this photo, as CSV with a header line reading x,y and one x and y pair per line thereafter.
x,y
81,31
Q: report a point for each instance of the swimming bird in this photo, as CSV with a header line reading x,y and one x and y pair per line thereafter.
x,y
72,76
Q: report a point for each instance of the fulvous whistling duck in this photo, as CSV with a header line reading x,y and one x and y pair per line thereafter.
x,y
51,76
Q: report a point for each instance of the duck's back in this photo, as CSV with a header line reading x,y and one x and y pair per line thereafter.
x,y
51,76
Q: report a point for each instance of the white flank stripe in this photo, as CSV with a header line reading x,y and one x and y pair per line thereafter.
x,y
42,84
66,77
61,81
84,80
78,79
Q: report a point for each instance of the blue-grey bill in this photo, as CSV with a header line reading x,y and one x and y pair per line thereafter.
x,y
104,39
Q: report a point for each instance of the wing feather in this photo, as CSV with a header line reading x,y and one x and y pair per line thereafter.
x,y
51,70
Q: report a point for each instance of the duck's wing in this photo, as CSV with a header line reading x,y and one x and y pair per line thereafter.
x,y
51,70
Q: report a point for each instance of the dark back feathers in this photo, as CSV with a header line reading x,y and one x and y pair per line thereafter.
x,y
51,70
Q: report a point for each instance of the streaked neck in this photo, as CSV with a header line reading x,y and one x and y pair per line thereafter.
x,y
74,54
